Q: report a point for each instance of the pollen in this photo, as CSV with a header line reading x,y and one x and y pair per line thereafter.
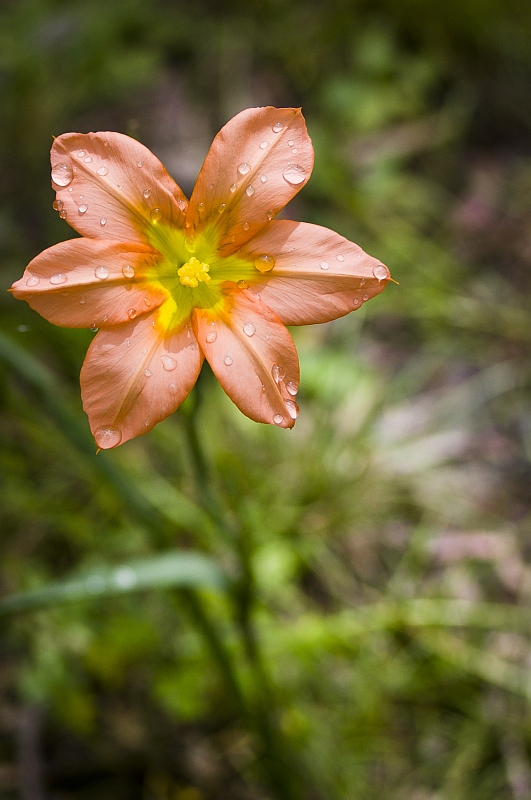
x,y
194,272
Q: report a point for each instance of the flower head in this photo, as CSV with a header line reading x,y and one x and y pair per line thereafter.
x,y
169,281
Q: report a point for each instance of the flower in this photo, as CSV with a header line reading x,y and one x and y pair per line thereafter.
x,y
169,282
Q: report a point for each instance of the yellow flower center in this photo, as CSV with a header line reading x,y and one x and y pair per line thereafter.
x,y
194,272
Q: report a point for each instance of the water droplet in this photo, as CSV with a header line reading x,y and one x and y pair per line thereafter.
x,y
81,154
33,281
70,189
82,300
233,238
362,281
211,336
290,142
102,171
243,169
144,351
221,208
146,193
356,301
241,284
87,160
340,258
168,363
293,409
249,329
132,313
294,151
58,278
227,360
324,264
365,296
182,204
172,387
128,271
102,273
155,214
62,214
148,373
103,222
264,145
128,342
105,438
245,226
278,419
291,386
264,263
278,373
249,191
270,213
263,178
140,163
104,318
147,302
57,205
94,328
277,127
232,188
380,272
294,174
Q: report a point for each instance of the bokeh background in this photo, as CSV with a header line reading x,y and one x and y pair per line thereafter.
x,y
225,610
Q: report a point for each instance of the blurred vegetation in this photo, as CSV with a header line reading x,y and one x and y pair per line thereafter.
x,y
341,611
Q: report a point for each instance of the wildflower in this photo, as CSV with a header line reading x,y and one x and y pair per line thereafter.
x,y
169,282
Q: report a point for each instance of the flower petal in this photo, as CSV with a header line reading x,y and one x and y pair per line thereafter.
x,y
318,275
108,186
254,358
83,283
133,378
256,164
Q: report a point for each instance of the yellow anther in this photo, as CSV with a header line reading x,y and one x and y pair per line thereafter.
x,y
194,272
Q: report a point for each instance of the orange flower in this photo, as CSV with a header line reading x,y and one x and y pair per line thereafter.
x,y
169,282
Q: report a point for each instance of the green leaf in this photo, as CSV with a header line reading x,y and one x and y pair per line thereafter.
x,y
175,569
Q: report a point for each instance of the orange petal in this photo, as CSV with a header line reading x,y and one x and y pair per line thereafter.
x,y
318,275
83,283
256,164
253,357
133,378
108,186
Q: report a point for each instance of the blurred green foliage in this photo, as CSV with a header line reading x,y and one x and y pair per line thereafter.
x,y
382,552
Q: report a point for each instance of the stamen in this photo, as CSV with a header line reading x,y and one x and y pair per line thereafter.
x,y
194,272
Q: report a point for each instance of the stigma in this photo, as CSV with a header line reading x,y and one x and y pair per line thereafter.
x,y
194,272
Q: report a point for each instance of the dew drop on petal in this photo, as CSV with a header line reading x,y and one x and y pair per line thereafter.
x,y
87,159
249,329
227,360
172,387
83,208
356,301
94,328
243,169
81,154
211,337
232,188
270,213
82,300
365,296
102,273
33,281
62,214
107,437
362,281
58,278
294,174
168,363
278,419
140,163
221,208
264,145
380,272
340,258
155,214
128,271
129,342
264,263
291,386
293,409
245,226
102,171
324,264
182,205
147,302
278,373
57,205
249,191
263,178
241,284
277,127
103,222
146,193
132,313
148,373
